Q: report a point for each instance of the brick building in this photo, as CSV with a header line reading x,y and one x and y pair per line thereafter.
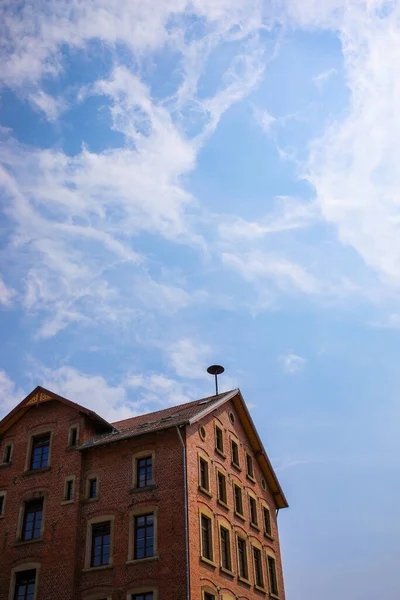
x,y
179,504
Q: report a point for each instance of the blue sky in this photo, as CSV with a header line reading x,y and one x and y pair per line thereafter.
x,y
184,183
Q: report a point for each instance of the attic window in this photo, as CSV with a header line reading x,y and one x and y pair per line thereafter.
x,y
232,417
205,401
144,425
165,419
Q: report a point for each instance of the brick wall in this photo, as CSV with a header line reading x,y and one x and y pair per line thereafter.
x,y
202,573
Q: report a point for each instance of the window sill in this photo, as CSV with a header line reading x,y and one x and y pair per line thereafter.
x,y
244,580
208,561
24,542
91,499
271,595
220,452
100,568
236,466
260,588
222,503
204,491
239,516
269,536
255,526
64,502
251,478
3,465
148,488
35,471
135,561
71,448
227,571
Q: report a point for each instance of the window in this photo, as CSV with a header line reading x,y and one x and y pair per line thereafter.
x,y
273,582
69,490
238,499
73,437
144,596
144,472
32,523
92,493
242,558
258,570
143,536
204,475
226,559
206,537
221,481
219,439
101,536
249,466
2,503
7,454
267,521
40,451
253,511
235,454
208,596
25,585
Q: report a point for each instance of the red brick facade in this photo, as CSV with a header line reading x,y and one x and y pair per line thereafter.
x,y
61,556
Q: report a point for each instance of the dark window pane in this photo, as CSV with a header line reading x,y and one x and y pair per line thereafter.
x,y
203,474
73,433
253,511
40,451
206,537
235,453
267,521
100,544
238,500
242,558
32,523
25,585
225,549
1,504
208,596
146,596
258,567
273,584
92,488
219,440
69,490
222,487
249,465
144,471
7,454
144,536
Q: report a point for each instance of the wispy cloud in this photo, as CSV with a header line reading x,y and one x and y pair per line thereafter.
x,y
6,294
321,79
292,363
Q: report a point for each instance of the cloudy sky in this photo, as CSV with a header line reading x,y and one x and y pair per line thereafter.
x,y
189,182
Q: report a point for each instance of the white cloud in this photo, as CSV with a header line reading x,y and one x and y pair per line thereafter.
x,y
292,363
6,294
353,166
189,358
10,394
287,275
92,391
264,119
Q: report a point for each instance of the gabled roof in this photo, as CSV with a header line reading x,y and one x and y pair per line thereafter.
x,y
161,419
40,395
